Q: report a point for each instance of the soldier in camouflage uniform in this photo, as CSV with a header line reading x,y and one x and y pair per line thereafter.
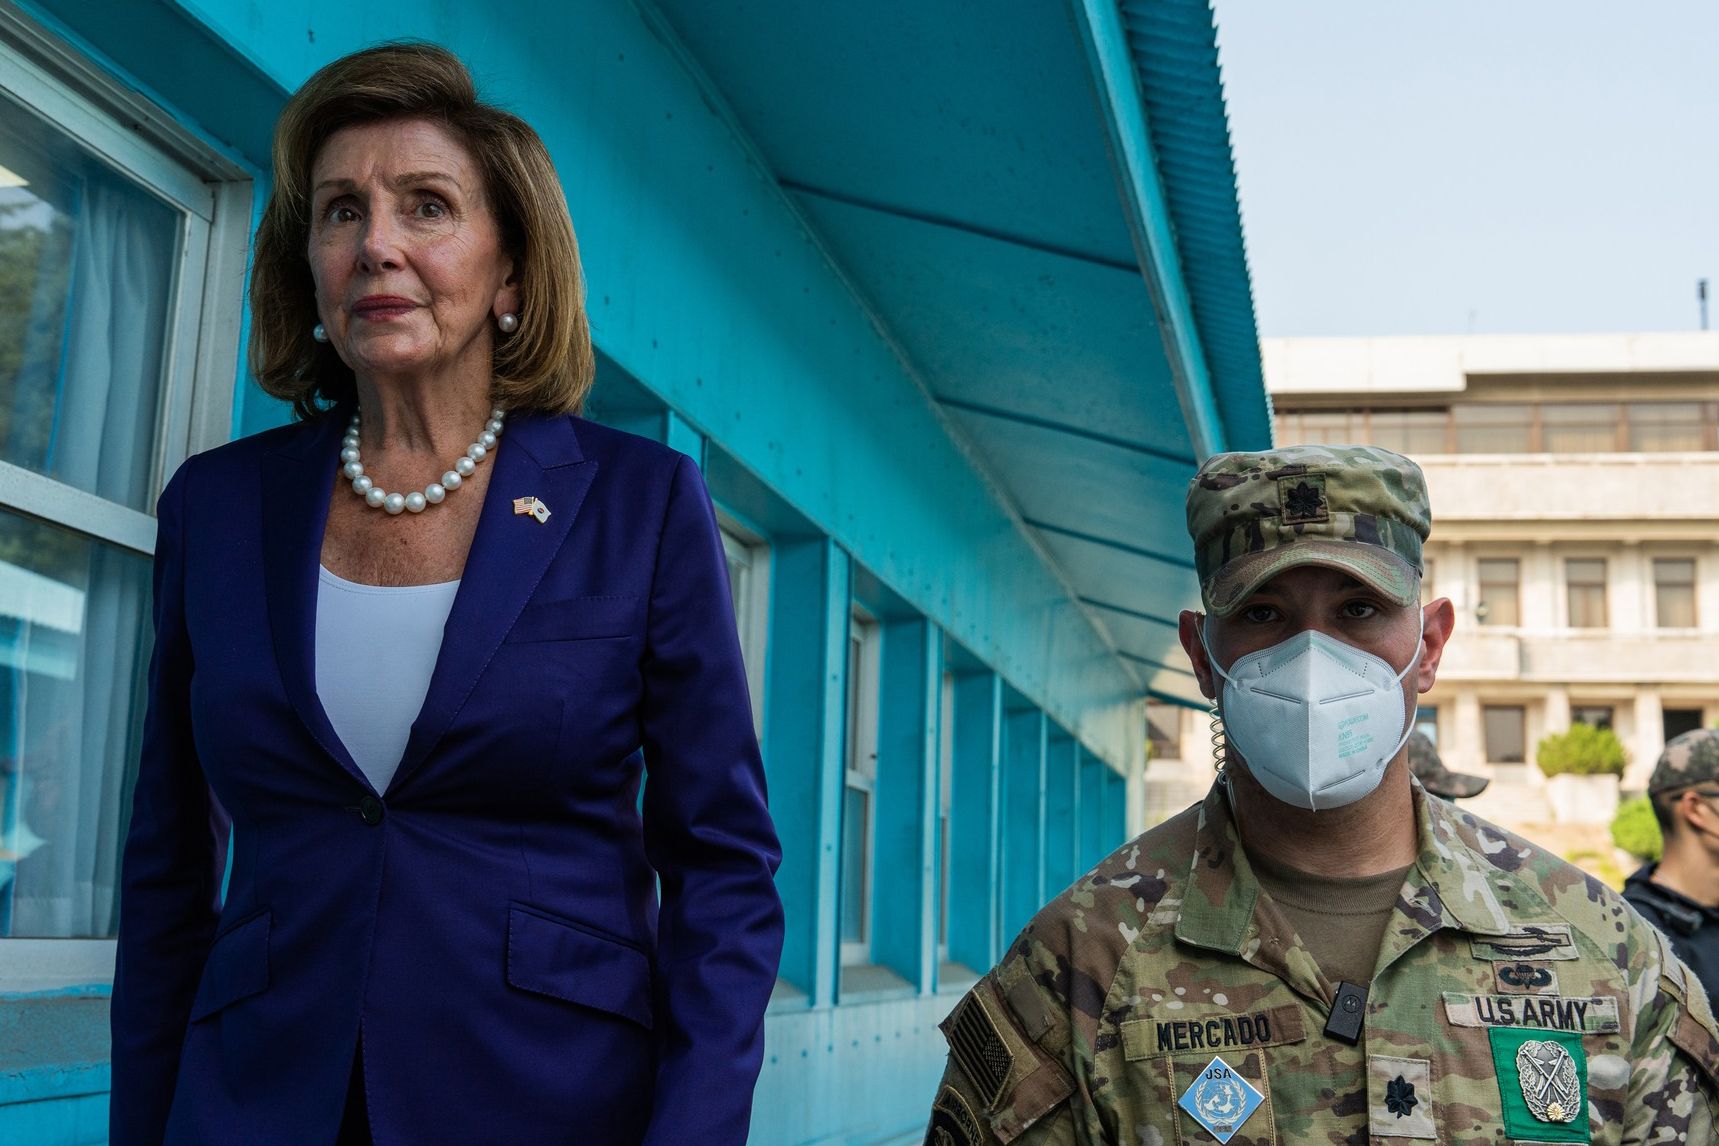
x,y
1171,996
1680,894
1424,762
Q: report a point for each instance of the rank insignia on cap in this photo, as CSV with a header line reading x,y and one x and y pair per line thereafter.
x,y
1220,1099
1302,499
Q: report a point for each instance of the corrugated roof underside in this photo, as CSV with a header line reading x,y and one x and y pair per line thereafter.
x,y
1174,45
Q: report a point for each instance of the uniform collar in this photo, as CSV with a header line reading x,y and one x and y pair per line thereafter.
x,y
1459,871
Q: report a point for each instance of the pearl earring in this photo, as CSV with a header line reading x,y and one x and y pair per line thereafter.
x,y
508,322
319,332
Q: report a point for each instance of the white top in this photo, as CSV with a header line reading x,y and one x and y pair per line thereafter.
x,y
376,646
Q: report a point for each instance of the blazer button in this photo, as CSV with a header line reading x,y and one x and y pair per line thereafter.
x,y
370,810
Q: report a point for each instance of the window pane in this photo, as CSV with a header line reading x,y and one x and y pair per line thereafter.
x,y
1426,722
86,269
1593,715
1326,427
1498,592
1661,426
856,670
1505,734
856,806
1578,427
1411,432
1586,580
74,638
1163,731
1492,428
1674,593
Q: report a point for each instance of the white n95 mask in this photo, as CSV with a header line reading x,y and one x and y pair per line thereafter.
x,y
1317,720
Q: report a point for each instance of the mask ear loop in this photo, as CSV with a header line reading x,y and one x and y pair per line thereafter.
x,y
1409,728
1215,718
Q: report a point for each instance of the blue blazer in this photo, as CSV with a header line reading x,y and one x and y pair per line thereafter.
x,y
489,927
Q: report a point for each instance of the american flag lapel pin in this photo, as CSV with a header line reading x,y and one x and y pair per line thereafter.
x,y
532,507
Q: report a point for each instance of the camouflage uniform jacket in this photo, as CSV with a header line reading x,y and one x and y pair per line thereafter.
x,y
1501,970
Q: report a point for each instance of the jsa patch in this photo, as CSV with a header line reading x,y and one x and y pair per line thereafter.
x,y
1594,1015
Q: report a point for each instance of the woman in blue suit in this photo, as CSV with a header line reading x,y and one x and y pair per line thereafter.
x,y
421,647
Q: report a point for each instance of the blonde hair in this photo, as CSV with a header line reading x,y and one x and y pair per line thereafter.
x,y
547,364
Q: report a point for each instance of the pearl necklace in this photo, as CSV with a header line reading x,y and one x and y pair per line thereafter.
x,y
352,465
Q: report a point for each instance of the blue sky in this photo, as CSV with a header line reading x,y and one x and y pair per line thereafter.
x,y
1485,166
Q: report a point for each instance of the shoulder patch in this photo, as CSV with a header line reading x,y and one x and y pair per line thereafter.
x,y
952,1121
978,1048
1696,1039
1012,1079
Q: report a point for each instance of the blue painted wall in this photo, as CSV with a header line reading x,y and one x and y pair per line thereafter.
x,y
728,331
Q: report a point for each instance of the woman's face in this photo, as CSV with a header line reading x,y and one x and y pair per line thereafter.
x,y
405,250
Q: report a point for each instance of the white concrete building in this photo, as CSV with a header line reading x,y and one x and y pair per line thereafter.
x,y
1575,494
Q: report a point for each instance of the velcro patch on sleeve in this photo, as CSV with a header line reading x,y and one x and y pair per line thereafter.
x,y
1584,1014
1189,1033
976,1044
1015,1081
1695,1039
952,1121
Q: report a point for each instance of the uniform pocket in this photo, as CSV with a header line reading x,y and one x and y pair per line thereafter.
x,y
549,955
238,966
578,619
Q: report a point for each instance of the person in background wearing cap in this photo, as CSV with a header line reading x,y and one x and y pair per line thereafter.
x,y
1318,952
1680,895
1424,762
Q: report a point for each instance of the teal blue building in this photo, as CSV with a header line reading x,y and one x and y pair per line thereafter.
x,y
947,298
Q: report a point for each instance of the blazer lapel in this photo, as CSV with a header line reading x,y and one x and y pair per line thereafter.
x,y
297,484
538,457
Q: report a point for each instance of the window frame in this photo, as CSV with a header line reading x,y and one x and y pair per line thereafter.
x,y
1521,712
945,807
201,362
1693,585
1603,585
1481,599
752,552
860,748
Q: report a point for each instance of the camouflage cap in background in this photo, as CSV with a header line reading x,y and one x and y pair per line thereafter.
x,y
1424,762
1692,758
1360,509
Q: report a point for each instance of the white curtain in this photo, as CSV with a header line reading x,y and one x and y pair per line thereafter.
x,y
75,739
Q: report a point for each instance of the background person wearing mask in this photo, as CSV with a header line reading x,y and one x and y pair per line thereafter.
x,y
1319,952
1680,895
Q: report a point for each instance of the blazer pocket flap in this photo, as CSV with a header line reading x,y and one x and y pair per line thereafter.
x,y
577,619
551,956
238,966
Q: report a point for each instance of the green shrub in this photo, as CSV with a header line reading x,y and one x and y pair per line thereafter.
x,y
1636,831
1582,751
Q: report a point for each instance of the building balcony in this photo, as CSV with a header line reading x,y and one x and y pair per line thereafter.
x,y
1679,487
1583,657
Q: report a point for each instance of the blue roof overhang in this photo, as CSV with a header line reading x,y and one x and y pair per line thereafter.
x,y
1037,203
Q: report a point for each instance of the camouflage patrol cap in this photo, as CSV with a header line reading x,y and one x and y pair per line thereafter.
x,y
1692,758
1424,762
1360,509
